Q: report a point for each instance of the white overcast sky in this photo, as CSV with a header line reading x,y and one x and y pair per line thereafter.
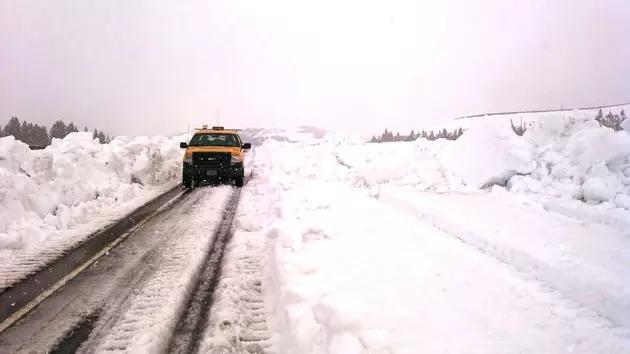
x,y
151,67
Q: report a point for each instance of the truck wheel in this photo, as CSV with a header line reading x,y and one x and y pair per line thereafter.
x,y
187,182
238,181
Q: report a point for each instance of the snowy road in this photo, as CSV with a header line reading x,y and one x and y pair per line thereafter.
x,y
133,298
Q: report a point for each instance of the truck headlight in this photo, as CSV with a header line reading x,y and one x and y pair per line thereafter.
x,y
235,159
188,159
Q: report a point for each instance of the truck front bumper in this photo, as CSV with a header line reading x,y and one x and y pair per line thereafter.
x,y
201,173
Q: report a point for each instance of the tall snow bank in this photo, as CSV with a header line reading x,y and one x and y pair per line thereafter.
x,y
564,155
45,191
487,154
578,159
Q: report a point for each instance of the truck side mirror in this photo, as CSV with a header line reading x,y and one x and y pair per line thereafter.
x,y
247,146
183,145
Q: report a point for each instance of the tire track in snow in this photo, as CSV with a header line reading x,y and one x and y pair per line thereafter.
x,y
191,325
148,315
238,318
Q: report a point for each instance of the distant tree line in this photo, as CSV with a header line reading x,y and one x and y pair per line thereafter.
x,y
612,121
388,136
36,135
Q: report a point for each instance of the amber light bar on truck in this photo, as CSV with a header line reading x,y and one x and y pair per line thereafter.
x,y
216,127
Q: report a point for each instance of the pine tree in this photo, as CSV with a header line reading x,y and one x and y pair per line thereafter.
x,y
29,135
600,116
385,137
85,130
101,138
71,128
39,136
459,133
45,136
23,135
13,128
95,134
58,130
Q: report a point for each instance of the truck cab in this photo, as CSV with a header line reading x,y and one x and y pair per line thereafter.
x,y
215,154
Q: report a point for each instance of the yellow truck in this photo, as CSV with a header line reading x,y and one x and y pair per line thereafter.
x,y
215,154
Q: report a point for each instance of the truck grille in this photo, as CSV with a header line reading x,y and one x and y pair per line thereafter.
x,y
211,159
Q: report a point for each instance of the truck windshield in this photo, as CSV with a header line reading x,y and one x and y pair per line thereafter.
x,y
214,139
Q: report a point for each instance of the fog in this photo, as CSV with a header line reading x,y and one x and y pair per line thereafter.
x,y
153,67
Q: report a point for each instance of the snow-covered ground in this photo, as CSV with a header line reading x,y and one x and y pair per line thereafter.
x,y
365,251
51,199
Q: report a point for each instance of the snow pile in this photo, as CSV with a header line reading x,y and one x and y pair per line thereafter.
x,y
338,157
578,159
487,154
257,136
46,191
564,156
564,160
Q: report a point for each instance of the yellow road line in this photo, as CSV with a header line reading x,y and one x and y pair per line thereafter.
x,y
36,301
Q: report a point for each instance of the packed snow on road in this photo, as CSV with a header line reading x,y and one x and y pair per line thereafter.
x,y
493,243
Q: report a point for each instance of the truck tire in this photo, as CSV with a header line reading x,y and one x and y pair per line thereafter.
x,y
238,181
187,182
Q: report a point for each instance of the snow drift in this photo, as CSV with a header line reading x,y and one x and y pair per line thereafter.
x,y
566,157
45,191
